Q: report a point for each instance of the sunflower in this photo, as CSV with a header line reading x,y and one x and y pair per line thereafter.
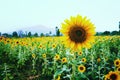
x,y
17,42
84,60
1,38
98,59
57,57
117,62
79,32
118,69
58,78
44,55
40,46
64,60
81,68
53,46
33,56
113,75
8,41
80,53
106,77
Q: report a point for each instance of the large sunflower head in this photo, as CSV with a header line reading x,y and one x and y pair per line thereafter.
x,y
79,32
106,77
113,75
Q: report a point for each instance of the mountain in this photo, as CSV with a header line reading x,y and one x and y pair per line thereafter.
x,y
38,29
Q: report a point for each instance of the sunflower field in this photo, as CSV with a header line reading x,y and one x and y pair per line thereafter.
x,y
47,58
77,55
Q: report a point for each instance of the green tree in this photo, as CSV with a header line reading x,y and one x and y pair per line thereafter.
x,y
50,33
57,31
36,35
106,33
119,27
114,33
42,35
14,34
5,34
29,34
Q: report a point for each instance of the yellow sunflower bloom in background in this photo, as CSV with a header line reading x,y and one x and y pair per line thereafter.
x,y
83,60
44,55
98,60
57,57
80,53
58,77
33,56
64,60
40,46
117,62
81,68
118,69
53,46
79,32
1,38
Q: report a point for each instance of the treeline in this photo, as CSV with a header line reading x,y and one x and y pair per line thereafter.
x,y
29,34
108,33
21,34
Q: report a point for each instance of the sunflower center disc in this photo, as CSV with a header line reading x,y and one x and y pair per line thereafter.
x,y
77,34
113,76
81,68
117,63
118,69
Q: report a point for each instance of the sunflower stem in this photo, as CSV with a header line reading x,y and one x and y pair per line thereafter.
x,y
54,69
92,58
73,72
73,69
99,72
86,51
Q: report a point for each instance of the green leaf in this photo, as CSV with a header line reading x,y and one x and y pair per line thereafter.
x,y
58,72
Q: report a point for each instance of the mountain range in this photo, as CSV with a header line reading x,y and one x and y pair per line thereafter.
x,y
38,29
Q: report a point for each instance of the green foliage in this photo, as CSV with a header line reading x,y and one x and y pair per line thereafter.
x,y
106,33
42,35
29,34
14,34
57,32
0,33
17,61
36,34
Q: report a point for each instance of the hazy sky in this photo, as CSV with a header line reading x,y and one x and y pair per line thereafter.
x,y
16,14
